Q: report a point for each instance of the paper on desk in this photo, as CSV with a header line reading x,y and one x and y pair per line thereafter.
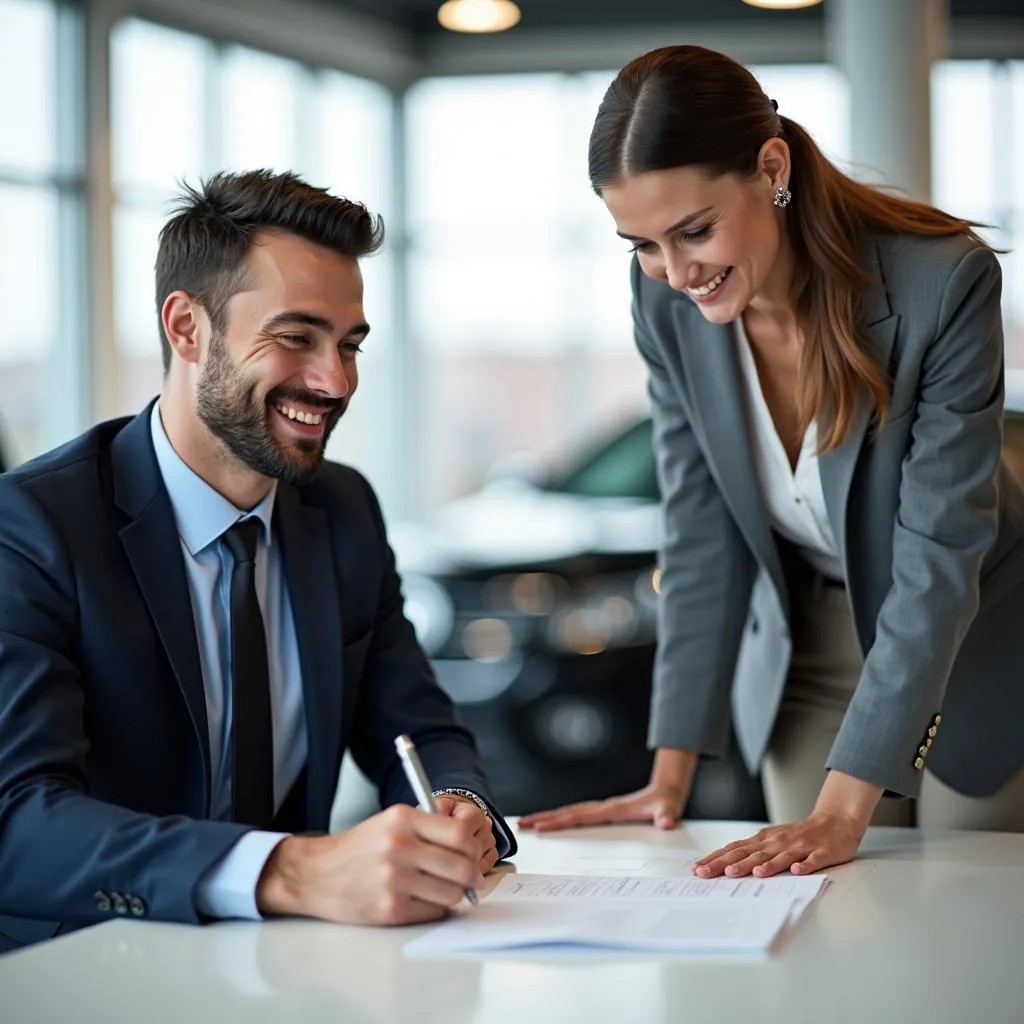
x,y
678,915
800,890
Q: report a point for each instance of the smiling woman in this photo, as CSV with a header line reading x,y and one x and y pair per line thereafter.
x,y
844,551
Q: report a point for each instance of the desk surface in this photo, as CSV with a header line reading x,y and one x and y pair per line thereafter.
x,y
926,926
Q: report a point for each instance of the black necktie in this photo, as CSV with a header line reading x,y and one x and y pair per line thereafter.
x,y
252,782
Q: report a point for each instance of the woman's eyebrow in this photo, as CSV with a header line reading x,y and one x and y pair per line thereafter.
x,y
678,226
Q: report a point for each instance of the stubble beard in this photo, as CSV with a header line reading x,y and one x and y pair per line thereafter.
x,y
228,407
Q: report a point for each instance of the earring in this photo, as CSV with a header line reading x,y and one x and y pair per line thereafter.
x,y
782,196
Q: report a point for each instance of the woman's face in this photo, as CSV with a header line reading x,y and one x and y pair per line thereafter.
x,y
718,239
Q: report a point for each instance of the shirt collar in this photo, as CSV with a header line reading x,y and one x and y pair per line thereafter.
x,y
201,513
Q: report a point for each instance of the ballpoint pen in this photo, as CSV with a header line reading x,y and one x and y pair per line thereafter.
x,y
413,767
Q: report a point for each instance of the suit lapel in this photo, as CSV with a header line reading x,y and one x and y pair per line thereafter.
x,y
878,326
151,543
313,588
717,390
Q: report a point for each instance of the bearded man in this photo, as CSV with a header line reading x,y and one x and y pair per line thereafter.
x,y
199,615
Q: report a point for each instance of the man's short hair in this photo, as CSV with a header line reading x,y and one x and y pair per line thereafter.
x,y
203,246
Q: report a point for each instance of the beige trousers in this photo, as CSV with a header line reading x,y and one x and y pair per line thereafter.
x,y
824,672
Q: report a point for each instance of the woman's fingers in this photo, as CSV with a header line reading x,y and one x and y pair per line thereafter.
x,y
801,847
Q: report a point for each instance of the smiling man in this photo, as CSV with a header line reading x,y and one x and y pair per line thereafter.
x,y
200,615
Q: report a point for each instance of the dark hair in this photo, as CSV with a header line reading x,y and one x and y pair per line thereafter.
x,y
684,106
203,246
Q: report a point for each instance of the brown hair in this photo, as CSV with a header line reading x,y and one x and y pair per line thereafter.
x,y
687,105
203,246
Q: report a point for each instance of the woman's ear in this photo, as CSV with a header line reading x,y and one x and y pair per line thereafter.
x,y
182,319
773,163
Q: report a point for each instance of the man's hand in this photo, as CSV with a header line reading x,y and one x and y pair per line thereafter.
x,y
462,809
399,867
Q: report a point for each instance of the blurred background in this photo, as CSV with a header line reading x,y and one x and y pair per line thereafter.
x,y
501,413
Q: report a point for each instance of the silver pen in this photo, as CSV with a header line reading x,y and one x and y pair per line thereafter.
x,y
413,768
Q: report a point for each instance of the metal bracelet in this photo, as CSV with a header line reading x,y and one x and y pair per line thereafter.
x,y
467,793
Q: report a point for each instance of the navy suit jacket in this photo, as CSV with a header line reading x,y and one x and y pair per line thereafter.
x,y
104,759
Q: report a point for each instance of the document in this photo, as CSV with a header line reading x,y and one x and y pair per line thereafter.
x,y
642,914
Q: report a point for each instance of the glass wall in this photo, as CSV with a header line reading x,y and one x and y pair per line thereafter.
x,y
40,260
519,290
512,332
977,162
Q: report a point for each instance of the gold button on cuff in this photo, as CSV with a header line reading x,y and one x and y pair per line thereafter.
x,y
922,750
938,719
919,763
932,731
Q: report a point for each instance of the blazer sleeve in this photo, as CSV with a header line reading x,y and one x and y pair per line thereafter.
x,y
946,521
707,573
400,694
64,853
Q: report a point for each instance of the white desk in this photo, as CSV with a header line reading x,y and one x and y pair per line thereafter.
x,y
925,927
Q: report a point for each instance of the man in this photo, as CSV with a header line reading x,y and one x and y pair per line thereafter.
x,y
198,615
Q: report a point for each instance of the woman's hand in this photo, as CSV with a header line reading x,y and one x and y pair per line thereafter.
x,y
820,841
658,803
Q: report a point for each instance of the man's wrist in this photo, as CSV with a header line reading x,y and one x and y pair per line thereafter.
x,y
466,795
279,888
502,838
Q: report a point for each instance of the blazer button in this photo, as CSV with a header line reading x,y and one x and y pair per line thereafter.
x,y
932,732
938,719
922,750
919,763
137,906
102,901
120,906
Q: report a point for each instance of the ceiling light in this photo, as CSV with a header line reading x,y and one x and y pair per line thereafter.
x,y
782,5
478,15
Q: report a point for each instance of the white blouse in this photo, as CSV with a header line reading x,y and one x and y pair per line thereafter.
x,y
795,500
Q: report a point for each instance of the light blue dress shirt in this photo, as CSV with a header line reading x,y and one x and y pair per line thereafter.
x,y
203,516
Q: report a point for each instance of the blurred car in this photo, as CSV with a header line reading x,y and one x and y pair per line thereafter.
x,y
535,600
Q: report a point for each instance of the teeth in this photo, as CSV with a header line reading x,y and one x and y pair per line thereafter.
x,y
312,418
707,289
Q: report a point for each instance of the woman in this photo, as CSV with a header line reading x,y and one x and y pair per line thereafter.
x,y
844,549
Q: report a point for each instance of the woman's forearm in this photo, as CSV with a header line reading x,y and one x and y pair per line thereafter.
x,y
848,796
674,768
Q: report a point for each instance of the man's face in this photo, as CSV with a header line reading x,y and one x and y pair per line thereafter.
x,y
275,382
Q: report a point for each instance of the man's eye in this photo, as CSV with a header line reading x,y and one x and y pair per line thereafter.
x,y
293,339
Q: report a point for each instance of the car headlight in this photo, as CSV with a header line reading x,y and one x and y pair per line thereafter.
x,y
430,610
616,611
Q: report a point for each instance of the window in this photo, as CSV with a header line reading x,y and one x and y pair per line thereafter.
x,y
40,201
519,287
978,141
234,108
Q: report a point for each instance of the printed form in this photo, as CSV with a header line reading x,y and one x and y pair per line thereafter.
x,y
637,913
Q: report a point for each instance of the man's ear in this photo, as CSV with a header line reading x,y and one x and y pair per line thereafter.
x,y
184,321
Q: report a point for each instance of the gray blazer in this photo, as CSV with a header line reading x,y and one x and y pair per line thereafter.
x,y
928,520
